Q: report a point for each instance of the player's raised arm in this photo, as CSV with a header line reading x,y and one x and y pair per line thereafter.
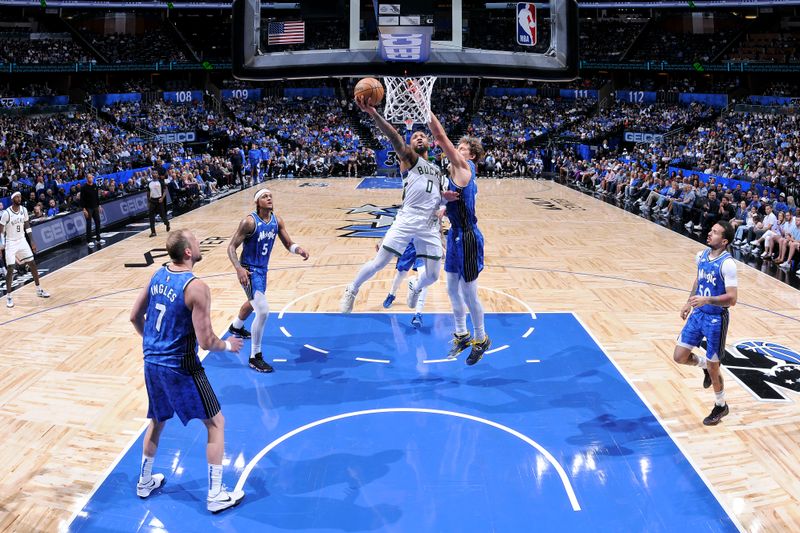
x,y
404,151
460,172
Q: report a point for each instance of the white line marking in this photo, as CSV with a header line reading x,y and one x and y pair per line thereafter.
x,y
503,347
279,360
320,350
64,526
368,360
526,306
547,455
527,333
731,515
283,330
532,361
447,360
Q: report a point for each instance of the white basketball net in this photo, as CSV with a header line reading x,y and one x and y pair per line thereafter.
x,y
408,99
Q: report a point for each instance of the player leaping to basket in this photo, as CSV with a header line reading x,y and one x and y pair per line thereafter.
x,y
416,219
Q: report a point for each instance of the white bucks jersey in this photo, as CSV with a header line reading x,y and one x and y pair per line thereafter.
x,y
14,223
422,187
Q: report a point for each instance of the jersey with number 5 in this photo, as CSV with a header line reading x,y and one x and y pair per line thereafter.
x,y
14,223
169,338
422,187
257,246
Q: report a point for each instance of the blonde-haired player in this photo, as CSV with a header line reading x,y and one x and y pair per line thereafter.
x,y
19,246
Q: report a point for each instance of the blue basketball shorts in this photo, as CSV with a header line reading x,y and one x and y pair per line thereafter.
x,y
713,327
171,390
258,281
464,254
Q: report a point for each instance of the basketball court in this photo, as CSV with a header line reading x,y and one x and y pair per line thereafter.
x,y
577,419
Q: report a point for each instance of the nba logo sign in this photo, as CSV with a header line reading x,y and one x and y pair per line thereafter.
x,y
526,24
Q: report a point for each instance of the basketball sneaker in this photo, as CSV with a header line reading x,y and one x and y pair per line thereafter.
x,y
413,294
416,320
143,490
348,299
9,302
258,364
101,241
478,349
459,344
91,244
716,415
224,500
239,332
706,379
41,293
387,303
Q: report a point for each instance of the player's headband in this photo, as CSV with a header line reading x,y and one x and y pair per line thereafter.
x,y
260,193
16,194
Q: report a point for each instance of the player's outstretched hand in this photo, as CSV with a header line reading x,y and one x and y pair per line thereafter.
x,y
364,106
302,253
450,196
235,342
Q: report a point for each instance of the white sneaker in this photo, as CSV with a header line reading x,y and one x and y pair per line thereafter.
x,y
765,255
91,244
348,298
785,265
223,500
688,225
102,241
754,243
41,293
413,294
9,302
143,490
698,226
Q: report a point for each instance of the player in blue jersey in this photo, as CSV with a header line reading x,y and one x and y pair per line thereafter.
x,y
173,314
405,263
256,235
715,289
464,260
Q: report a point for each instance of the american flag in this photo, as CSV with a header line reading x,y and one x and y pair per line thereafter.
x,y
286,32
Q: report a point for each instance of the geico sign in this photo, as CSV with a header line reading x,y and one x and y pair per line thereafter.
x,y
633,137
133,206
180,137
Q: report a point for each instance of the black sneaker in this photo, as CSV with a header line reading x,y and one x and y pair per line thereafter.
x,y
706,379
239,332
716,415
258,364
478,349
459,344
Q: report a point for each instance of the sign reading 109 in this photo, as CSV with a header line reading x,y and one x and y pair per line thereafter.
x,y
526,23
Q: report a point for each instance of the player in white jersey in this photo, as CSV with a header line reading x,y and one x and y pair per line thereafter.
x,y
19,245
416,219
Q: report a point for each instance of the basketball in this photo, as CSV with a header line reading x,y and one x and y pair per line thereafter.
x,y
370,89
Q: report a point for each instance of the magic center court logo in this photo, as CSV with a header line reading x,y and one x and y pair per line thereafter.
x,y
369,221
767,369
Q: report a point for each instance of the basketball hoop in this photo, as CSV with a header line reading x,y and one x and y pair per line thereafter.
x,y
408,100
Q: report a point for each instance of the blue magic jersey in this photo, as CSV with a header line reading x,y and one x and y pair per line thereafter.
x,y
709,279
461,212
169,338
257,246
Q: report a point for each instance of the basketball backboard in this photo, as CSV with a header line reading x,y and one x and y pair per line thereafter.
x,y
340,38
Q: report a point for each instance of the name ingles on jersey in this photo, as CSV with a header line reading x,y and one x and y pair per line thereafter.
x,y
163,290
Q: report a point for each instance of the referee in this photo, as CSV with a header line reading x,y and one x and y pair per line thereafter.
x,y
157,201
